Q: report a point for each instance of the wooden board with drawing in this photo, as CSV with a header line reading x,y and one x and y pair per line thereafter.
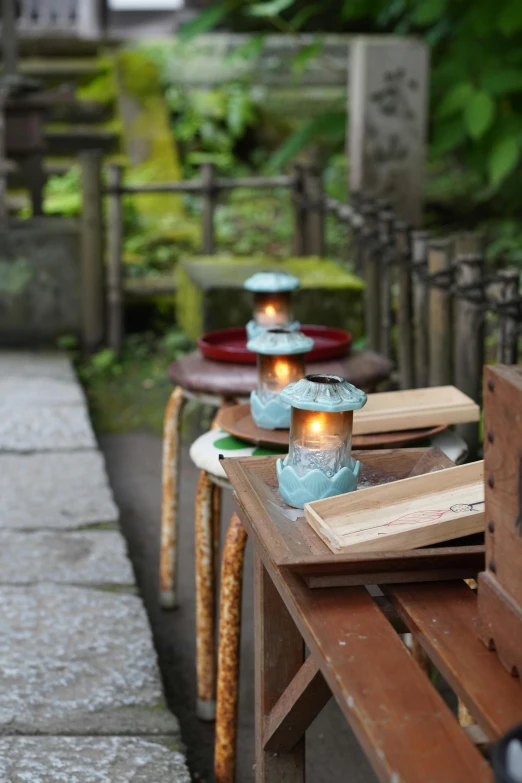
x,y
406,514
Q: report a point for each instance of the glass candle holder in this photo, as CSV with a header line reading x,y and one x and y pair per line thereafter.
x,y
277,371
280,361
319,462
272,301
272,309
320,440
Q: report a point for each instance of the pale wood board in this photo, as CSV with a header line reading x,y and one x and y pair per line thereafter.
x,y
413,409
406,514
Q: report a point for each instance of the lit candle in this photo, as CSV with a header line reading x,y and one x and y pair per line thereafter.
x,y
275,312
320,439
280,361
272,301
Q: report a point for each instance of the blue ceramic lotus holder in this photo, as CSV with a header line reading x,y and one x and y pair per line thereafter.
x,y
253,329
298,490
271,415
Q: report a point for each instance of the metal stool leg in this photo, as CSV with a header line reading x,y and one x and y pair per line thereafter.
x,y
228,654
169,508
205,600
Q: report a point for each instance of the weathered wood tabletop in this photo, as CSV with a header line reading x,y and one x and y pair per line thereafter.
x,y
407,731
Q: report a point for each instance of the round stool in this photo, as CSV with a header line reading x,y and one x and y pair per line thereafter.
x,y
218,383
205,453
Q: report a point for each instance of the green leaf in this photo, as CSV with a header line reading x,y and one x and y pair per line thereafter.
x,y
503,81
455,100
503,159
203,22
250,50
428,11
448,136
510,18
479,113
304,55
304,15
331,125
270,8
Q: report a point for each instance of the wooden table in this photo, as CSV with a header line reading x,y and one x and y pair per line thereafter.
x,y
213,383
356,655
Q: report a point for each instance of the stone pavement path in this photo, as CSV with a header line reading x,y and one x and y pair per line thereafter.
x,y
81,699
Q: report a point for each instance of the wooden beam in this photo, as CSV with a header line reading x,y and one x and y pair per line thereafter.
x,y
295,710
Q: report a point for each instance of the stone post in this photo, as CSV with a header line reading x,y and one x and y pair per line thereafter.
x,y
387,108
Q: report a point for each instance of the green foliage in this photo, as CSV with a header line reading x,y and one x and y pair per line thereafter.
x,y
209,124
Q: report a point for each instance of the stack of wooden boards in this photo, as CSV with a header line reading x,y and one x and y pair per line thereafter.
x,y
416,511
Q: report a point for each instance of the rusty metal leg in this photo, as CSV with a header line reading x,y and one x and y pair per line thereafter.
x,y
228,653
169,507
420,656
216,532
205,601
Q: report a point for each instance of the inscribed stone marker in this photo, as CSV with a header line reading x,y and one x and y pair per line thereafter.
x,y
387,106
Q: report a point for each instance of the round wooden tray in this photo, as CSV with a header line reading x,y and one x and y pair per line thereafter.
x,y
237,421
229,345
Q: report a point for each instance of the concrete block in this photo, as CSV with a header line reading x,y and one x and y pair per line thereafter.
x,y
210,294
54,491
78,661
89,760
45,428
87,558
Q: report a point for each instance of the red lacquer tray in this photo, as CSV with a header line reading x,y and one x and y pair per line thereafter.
x,y
229,345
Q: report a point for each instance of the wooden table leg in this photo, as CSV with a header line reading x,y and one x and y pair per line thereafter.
x,y
279,654
205,600
229,652
169,506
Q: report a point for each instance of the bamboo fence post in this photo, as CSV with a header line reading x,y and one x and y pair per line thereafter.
x,y
419,251
315,208
507,352
387,259
440,342
208,176
469,338
369,253
115,321
357,201
404,307
93,283
299,236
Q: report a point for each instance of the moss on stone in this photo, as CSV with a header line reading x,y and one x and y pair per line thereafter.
x,y
209,293
148,141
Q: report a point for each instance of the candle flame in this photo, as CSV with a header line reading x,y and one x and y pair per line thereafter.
x,y
282,370
270,310
316,426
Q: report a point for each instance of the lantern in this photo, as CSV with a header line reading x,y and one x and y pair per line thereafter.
x,y
506,756
280,361
272,301
319,463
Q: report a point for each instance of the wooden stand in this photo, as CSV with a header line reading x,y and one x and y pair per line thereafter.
x,y
500,586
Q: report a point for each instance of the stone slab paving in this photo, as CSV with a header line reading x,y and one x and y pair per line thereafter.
x,y
81,699
86,558
78,661
87,760
36,364
55,491
44,428
17,390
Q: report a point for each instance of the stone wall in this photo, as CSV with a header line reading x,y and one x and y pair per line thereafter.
x,y
40,281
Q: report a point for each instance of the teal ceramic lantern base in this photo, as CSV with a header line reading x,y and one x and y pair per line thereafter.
x,y
271,415
298,490
253,329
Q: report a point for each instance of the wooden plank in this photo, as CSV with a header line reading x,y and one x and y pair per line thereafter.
x,y
444,618
406,730
407,514
414,408
440,320
500,593
279,654
299,705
